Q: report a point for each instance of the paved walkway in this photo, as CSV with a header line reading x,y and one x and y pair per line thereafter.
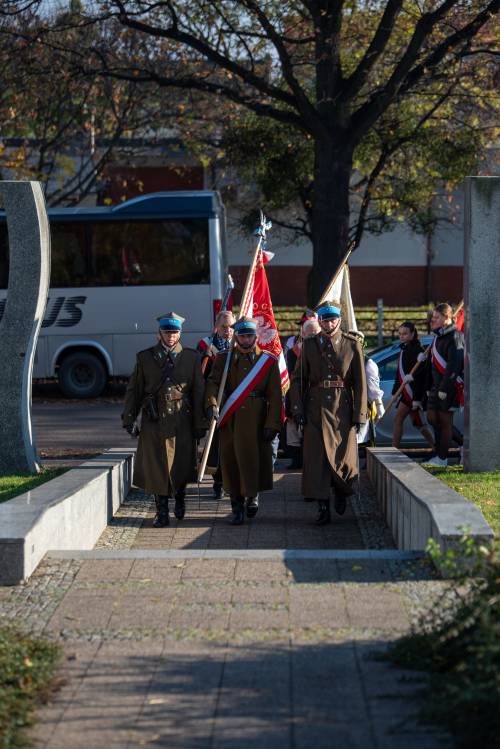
x,y
223,652
284,521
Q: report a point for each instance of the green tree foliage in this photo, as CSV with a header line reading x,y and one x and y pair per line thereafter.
x,y
381,93
59,126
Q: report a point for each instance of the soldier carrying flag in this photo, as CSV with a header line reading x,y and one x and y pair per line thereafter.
x,y
249,420
246,384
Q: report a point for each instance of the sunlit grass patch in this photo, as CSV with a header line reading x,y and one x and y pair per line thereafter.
x,y
12,486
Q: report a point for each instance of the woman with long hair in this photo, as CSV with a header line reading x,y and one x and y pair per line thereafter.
x,y
411,400
445,371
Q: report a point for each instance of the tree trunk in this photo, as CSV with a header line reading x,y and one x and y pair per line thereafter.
x,y
330,212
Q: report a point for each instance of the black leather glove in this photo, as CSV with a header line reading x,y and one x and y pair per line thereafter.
x,y
132,429
198,434
212,413
299,421
269,434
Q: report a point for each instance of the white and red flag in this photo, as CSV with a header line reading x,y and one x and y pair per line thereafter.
x,y
257,304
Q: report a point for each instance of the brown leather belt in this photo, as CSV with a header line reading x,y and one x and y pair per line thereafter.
x,y
175,396
331,384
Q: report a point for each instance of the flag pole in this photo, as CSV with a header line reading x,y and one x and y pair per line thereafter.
x,y
261,233
400,388
223,308
324,296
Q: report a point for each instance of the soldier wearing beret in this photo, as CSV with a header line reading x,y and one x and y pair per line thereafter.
x,y
329,402
166,387
246,436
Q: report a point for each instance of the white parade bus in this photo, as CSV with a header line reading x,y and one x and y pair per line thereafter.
x,y
114,270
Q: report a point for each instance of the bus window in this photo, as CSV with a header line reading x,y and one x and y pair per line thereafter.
x,y
68,261
149,253
4,256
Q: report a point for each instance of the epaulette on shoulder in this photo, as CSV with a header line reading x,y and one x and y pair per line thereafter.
x,y
350,337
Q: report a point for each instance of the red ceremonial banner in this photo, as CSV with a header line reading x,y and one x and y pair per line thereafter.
x,y
258,305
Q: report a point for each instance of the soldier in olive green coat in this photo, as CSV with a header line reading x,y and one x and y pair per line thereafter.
x,y
329,402
245,439
167,385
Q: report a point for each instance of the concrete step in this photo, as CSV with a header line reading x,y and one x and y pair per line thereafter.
x,y
378,555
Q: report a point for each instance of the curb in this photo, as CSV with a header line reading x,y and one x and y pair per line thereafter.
x,y
69,512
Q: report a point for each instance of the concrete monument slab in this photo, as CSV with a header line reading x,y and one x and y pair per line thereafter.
x,y
482,317
29,275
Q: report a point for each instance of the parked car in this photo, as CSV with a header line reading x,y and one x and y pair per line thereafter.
x,y
387,360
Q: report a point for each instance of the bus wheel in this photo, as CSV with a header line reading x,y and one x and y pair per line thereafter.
x,y
82,375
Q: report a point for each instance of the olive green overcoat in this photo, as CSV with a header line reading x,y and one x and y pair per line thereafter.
x,y
166,453
246,460
330,447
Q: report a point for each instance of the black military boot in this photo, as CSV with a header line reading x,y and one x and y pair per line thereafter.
x,y
296,456
323,517
340,502
218,490
252,504
180,504
161,517
238,508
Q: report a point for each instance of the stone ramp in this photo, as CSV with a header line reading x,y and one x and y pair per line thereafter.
x,y
186,643
284,521
218,653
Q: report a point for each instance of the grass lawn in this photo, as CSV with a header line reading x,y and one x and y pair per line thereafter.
x,y
11,486
27,666
481,488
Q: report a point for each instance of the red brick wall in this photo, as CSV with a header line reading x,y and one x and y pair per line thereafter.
x,y
400,285
396,285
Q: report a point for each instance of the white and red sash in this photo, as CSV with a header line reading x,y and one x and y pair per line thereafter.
x,y
249,383
407,389
438,361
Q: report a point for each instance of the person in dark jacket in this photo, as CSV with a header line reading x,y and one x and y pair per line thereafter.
x,y
309,326
412,398
209,347
445,372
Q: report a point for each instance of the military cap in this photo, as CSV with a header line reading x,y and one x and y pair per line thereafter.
x,y
245,325
309,314
328,310
170,322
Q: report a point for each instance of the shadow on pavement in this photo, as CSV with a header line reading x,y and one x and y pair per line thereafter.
x,y
264,695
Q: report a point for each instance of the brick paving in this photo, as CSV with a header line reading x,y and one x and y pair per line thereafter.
x,y
227,652
284,521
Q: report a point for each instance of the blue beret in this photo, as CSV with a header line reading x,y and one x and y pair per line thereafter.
x,y
245,326
328,311
170,324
